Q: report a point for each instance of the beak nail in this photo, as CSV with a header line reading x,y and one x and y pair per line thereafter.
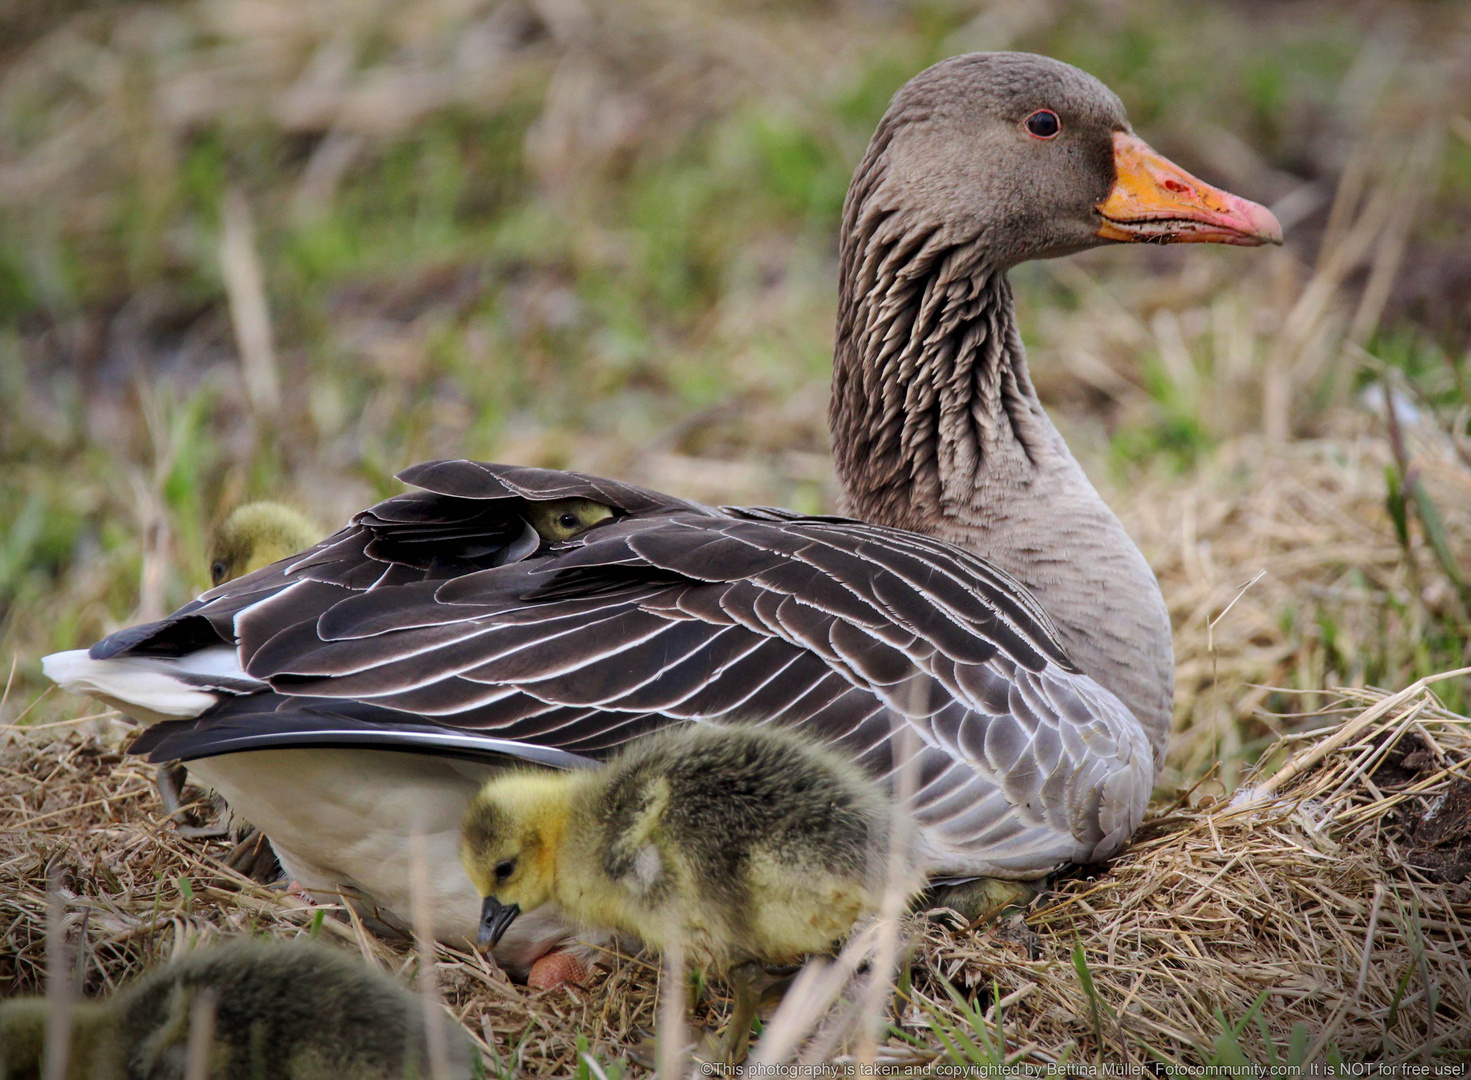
x,y
495,920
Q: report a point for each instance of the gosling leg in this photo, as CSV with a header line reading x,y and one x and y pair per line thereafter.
x,y
554,969
984,899
170,778
254,857
747,981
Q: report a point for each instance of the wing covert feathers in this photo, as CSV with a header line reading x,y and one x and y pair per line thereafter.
x,y
440,621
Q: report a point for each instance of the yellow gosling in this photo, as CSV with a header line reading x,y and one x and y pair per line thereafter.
x,y
562,519
290,1011
257,534
752,844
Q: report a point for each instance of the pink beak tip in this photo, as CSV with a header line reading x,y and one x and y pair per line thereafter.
x,y
1258,223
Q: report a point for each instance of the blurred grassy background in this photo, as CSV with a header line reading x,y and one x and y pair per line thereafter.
x,y
287,247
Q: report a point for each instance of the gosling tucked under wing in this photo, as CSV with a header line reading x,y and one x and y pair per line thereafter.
x,y
443,621
255,535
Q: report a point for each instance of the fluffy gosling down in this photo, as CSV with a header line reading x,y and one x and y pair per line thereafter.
x,y
753,844
290,1011
255,535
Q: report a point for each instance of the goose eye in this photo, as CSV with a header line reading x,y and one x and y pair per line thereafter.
x,y
1043,124
505,869
567,521
217,572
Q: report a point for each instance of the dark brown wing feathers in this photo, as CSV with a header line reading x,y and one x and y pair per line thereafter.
x,y
442,611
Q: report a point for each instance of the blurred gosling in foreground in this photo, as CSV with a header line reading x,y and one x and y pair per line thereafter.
x,y
257,534
753,844
288,1011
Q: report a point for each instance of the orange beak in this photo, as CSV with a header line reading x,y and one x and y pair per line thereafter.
x,y
1154,200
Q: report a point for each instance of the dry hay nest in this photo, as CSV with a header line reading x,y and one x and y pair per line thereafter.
x,y
1331,896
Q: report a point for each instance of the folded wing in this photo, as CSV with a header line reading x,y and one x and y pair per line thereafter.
x,y
440,621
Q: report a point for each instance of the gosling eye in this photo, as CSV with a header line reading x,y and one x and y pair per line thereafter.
x,y
217,571
559,520
504,869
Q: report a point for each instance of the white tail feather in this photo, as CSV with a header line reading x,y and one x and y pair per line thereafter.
x,y
146,687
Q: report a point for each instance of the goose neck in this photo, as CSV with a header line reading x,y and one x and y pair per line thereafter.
x,y
933,407
936,428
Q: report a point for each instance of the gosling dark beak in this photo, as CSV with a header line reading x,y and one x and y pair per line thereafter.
x,y
1153,199
495,920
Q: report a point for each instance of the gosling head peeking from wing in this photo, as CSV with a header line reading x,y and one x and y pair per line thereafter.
x,y
558,520
257,534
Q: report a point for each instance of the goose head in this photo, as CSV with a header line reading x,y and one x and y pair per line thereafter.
x,y
1026,157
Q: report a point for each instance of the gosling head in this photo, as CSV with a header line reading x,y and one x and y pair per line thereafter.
x,y
562,519
255,535
508,845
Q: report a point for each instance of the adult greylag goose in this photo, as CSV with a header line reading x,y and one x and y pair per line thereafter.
x,y
358,694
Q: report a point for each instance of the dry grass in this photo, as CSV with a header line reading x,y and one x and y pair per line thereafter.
x,y
1338,904
448,205
76,812
1295,540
